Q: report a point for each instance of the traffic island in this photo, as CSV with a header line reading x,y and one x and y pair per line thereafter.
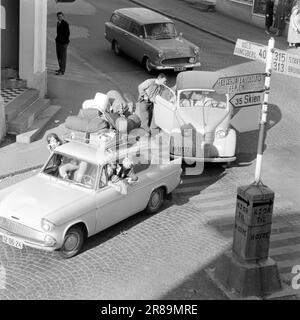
x,y
246,270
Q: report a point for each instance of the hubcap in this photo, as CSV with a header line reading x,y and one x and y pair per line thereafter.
x,y
71,242
148,65
155,200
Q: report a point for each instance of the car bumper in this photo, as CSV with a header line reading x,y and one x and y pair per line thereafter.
x,y
174,67
213,159
33,243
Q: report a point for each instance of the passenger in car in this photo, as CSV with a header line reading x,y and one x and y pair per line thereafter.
x,y
67,170
121,175
185,99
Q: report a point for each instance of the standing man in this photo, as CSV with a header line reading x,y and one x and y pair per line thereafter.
x,y
269,11
148,90
62,41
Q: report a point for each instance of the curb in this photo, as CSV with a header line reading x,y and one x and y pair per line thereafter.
x,y
215,34
21,171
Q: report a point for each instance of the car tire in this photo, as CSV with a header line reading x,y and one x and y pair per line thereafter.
x,y
156,200
148,67
73,242
116,48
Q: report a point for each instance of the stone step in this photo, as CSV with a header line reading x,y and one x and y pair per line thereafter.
x,y
25,119
13,83
7,73
20,103
38,125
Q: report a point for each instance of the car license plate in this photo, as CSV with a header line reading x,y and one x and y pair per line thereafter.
x,y
12,241
179,68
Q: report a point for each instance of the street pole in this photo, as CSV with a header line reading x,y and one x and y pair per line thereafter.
x,y
264,110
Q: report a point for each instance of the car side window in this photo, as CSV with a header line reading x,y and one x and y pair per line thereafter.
x,y
136,29
115,18
124,23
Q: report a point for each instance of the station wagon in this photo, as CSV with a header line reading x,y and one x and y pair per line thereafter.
x,y
151,39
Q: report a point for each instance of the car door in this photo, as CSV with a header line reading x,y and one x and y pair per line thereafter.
x,y
165,110
135,41
111,205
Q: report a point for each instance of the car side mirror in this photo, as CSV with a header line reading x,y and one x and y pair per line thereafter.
x,y
141,37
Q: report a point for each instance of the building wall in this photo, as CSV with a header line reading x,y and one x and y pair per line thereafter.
x,y
10,35
33,35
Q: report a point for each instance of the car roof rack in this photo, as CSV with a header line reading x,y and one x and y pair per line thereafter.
x,y
107,140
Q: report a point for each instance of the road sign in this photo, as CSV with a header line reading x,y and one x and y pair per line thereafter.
x,y
283,62
246,99
242,83
250,50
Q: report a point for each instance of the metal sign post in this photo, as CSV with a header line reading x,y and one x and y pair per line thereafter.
x,y
264,110
247,268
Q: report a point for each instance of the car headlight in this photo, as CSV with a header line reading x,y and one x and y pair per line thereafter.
x,y
160,54
47,225
49,241
221,134
191,60
196,50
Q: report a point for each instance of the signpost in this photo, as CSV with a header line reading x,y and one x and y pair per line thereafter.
x,y
247,268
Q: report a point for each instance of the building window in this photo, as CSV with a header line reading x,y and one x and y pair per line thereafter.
x,y
3,18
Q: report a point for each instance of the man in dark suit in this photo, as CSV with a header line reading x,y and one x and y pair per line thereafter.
x,y
62,41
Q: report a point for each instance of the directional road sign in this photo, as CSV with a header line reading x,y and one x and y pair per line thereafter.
x,y
242,83
246,99
283,62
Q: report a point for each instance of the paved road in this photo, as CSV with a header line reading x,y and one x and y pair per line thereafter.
x,y
164,255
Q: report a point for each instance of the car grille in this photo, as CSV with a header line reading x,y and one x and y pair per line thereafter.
x,y
176,61
20,230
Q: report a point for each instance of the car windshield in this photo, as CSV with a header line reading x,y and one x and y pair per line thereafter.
x,y
201,98
160,30
72,170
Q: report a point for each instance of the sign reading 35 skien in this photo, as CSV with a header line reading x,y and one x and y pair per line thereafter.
x,y
283,62
241,83
246,99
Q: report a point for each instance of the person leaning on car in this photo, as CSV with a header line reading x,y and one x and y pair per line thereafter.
x,y
148,90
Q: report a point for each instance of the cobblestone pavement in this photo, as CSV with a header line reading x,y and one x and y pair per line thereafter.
x,y
162,256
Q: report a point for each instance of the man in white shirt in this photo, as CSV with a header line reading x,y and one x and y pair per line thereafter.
x,y
148,90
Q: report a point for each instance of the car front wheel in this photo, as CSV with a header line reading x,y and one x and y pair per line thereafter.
x,y
155,201
148,66
73,242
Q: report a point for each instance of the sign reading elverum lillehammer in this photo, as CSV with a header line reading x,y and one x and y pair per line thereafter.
x,y
241,83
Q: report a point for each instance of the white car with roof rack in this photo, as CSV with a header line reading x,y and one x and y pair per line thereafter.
x,y
50,212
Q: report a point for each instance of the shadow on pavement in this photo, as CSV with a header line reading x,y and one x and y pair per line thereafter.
x,y
285,232
247,142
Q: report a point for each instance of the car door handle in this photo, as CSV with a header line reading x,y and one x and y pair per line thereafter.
x,y
126,34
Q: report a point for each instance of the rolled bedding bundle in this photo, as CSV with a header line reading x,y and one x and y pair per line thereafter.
x,y
78,123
